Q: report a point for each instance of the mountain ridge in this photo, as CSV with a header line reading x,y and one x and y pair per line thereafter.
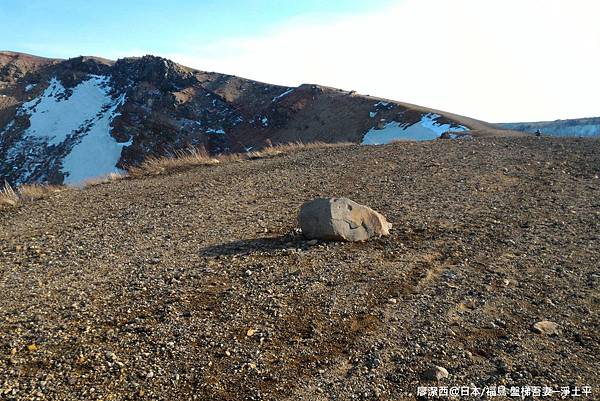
x,y
587,126
135,107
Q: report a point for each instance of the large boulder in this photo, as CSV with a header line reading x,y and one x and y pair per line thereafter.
x,y
341,219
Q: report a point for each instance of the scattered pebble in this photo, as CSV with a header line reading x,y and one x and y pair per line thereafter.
x,y
546,327
436,373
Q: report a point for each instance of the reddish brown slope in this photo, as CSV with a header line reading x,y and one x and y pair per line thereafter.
x,y
167,107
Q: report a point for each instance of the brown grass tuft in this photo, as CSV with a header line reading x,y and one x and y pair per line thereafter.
x,y
10,197
199,157
285,148
181,159
104,179
28,193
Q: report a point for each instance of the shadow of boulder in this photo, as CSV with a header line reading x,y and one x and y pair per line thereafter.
x,y
248,246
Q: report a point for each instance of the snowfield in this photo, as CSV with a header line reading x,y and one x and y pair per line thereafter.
x,y
425,130
98,152
80,119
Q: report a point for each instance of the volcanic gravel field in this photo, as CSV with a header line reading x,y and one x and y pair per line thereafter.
x,y
197,285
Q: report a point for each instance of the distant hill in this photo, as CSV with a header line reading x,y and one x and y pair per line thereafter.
x,y
575,127
63,121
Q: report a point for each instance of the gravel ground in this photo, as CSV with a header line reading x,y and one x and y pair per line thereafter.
x,y
197,286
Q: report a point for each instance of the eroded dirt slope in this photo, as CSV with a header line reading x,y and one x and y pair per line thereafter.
x,y
196,286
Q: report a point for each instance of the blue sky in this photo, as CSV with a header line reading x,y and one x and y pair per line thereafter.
x,y
111,28
495,60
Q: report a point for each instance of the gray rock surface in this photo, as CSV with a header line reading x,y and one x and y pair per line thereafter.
x,y
341,219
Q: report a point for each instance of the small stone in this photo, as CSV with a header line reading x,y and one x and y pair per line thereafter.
x,y
491,326
250,332
373,361
501,367
32,347
436,373
546,327
393,300
312,242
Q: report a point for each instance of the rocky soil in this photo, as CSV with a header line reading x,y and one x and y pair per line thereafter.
x,y
196,285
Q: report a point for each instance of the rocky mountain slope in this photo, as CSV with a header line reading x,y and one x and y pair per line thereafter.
x,y
196,285
580,127
68,120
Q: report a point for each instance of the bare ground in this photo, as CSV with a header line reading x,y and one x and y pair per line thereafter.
x,y
196,285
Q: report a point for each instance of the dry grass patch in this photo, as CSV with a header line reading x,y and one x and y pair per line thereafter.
x,y
181,159
104,179
291,147
9,197
29,193
200,157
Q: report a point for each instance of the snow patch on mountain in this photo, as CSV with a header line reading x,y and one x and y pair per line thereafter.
x,y
97,153
56,113
76,123
426,129
287,92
